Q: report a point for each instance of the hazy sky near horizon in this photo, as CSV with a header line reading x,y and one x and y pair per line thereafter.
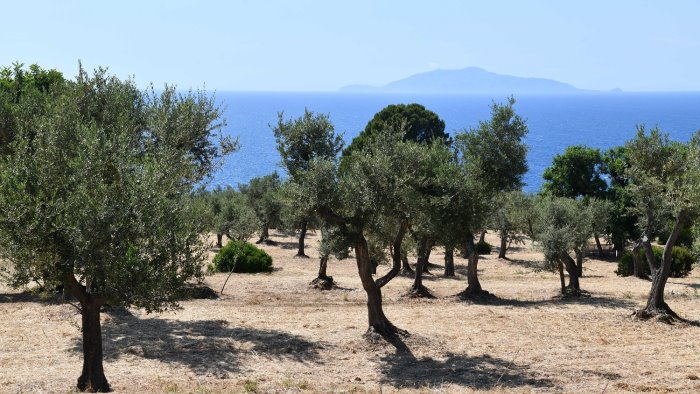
x,y
306,45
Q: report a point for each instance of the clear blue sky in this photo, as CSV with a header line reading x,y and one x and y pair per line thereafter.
x,y
297,45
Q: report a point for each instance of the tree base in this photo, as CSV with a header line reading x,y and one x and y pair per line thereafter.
x,y
664,314
385,332
267,242
301,256
407,272
574,293
419,292
325,283
96,384
475,295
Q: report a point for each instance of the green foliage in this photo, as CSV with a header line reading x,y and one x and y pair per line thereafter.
x,y
510,216
418,123
483,247
310,137
226,211
682,260
576,173
242,257
495,152
262,194
96,187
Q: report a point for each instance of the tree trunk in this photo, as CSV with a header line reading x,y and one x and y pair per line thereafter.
x,y
323,266
302,238
562,280
655,303
405,266
418,290
219,240
579,262
449,261
378,322
573,288
426,263
482,237
264,233
93,377
504,246
598,245
465,250
473,286
637,261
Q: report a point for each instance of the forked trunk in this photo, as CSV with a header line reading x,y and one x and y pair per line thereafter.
x,y
302,238
598,245
377,320
93,378
655,303
504,246
449,261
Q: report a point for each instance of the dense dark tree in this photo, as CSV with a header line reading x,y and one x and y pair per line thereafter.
x,y
263,194
419,124
96,190
300,141
495,155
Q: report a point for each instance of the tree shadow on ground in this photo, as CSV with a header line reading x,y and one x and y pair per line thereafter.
x,y
29,296
204,346
595,301
404,369
536,266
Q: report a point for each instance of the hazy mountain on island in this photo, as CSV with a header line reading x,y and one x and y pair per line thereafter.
x,y
471,80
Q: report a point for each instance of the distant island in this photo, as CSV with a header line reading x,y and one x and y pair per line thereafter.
x,y
472,80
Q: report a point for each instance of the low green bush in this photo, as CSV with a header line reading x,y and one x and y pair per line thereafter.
x,y
682,260
483,247
245,256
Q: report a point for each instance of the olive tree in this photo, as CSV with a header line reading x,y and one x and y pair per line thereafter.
x,y
376,183
263,195
227,212
494,154
664,183
300,141
96,196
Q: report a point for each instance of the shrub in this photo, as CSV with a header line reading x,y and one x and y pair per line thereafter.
x,y
483,247
247,258
681,263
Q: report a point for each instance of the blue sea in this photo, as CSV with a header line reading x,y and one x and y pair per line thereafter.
x,y
599,120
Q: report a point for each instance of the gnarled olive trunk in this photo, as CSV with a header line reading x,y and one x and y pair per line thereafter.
x,y
571,269
322,268
405,266
302,238
449,261
655,303
264,233
418,290
473,285
219,240
562,280
482,237
378,322
598,245
504,245
92,379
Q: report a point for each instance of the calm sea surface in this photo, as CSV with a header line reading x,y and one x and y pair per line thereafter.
x,y
555,122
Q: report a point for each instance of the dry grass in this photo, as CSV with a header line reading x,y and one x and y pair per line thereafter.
x,y
271,333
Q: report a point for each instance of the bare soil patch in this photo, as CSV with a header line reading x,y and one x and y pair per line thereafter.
x,y
274,333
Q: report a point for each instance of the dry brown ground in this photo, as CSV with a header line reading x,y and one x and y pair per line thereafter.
x,y
271,333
